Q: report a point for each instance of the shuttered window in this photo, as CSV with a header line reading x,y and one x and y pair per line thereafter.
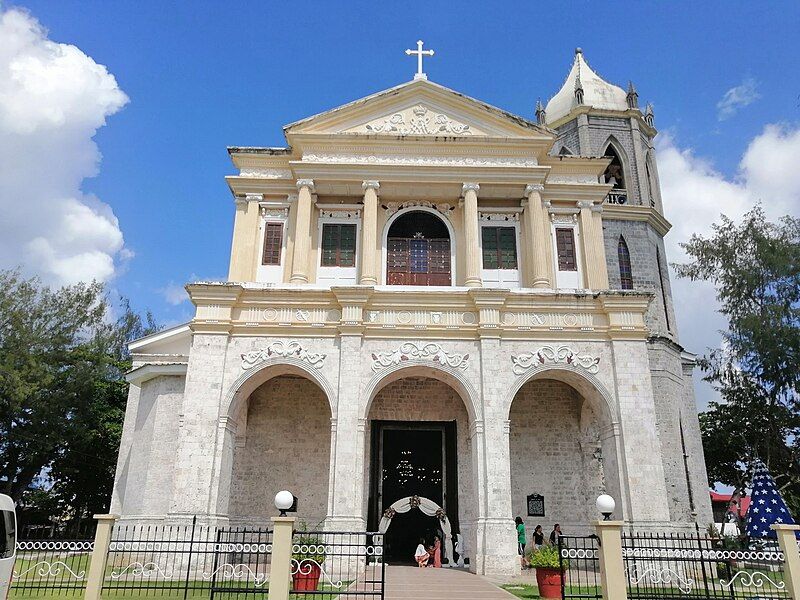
x,y
338,245
499,247
273,242
565,249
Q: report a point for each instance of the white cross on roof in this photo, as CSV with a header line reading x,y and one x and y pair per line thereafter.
x,y
420,53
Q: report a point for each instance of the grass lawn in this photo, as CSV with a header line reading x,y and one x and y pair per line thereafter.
x,y
522,590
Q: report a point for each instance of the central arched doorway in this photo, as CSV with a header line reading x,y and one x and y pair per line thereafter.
x,y
418,249
419,447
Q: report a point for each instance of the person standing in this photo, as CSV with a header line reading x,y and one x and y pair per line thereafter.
x,y
538,537
437,552
556,534
521,539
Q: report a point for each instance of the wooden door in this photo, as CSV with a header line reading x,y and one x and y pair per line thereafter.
x,y
418,261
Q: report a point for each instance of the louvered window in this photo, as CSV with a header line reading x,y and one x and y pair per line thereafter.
x,y
625,272
338,245
417,261
565,248
499,247
273,242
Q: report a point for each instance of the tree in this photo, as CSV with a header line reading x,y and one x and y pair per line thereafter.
x,y
62,390
755,268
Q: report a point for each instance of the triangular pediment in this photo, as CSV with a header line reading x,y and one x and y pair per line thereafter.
x,y
419,108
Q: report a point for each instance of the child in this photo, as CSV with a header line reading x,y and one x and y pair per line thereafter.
x,y
421,555
521,539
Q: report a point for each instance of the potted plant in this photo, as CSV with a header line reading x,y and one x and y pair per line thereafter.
x,y
548,570
307,563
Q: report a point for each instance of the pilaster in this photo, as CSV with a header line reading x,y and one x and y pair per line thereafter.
x,y
244,246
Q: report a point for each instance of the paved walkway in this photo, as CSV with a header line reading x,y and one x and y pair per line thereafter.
x,y
413,583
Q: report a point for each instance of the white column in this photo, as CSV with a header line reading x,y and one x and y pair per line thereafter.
x,y
538,235
302,231
369,234
471,241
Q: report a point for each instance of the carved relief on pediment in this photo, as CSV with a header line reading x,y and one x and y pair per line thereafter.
x,y
417,120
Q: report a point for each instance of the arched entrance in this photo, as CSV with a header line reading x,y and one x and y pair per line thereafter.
x,y
429,508
563,446
419,445
277,436
418,249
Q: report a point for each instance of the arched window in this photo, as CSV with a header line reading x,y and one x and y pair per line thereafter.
x,y
418,250
625,273
614,173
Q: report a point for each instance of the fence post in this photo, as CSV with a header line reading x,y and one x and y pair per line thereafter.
x,y
612,568
791,561
281,568
97,568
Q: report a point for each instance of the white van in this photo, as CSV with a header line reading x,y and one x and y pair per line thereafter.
x,y
8,543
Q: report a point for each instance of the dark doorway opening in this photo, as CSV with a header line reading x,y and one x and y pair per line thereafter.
x,y
412,459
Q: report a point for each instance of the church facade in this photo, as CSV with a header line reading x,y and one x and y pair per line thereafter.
x,y
438,316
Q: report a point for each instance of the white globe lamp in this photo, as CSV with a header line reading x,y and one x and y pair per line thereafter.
x,y
605,506
283,501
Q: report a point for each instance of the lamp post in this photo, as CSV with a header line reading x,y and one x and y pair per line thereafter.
x,y
283,501
605,506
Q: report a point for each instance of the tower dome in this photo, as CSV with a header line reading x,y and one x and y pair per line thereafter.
x,y
594,92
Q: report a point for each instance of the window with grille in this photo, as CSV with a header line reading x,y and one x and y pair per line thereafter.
x,y
499,247
273,242
565,249
625,272
338,245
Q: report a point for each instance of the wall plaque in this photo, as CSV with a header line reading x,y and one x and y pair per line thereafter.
x,y
535,505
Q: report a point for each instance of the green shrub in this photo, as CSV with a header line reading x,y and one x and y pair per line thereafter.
x,y
545,557
315,549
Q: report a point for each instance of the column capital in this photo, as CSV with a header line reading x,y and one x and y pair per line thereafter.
x,y
470,187
584,204
253,197
597,208
309,183
533,187
370,184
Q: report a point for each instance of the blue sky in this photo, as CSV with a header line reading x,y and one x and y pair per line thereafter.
x,y
204,75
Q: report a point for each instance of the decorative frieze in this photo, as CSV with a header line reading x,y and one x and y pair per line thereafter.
x,y
499,217
393,207
418,160
550,355
282,349
340,214
412,350
265,173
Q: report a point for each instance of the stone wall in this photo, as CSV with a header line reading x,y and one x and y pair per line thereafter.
x,y
642,243
286,445
424,399
550,456
146,461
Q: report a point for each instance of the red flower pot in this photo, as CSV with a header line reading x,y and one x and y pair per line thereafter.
x,y
307,577
548,580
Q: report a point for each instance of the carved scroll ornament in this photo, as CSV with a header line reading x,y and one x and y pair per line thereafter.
x,y
282,349
554,356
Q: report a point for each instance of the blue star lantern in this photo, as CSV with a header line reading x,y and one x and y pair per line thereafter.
x,y
766,506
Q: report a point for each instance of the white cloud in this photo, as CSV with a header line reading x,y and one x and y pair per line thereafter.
x,y
737,97
695,194
53,98
174,294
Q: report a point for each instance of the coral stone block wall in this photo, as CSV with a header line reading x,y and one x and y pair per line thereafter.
x,y
286,445
550,455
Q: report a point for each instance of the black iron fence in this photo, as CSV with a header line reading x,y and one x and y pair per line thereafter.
x,y
48,566
579,561
672,565
188,561
327,565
